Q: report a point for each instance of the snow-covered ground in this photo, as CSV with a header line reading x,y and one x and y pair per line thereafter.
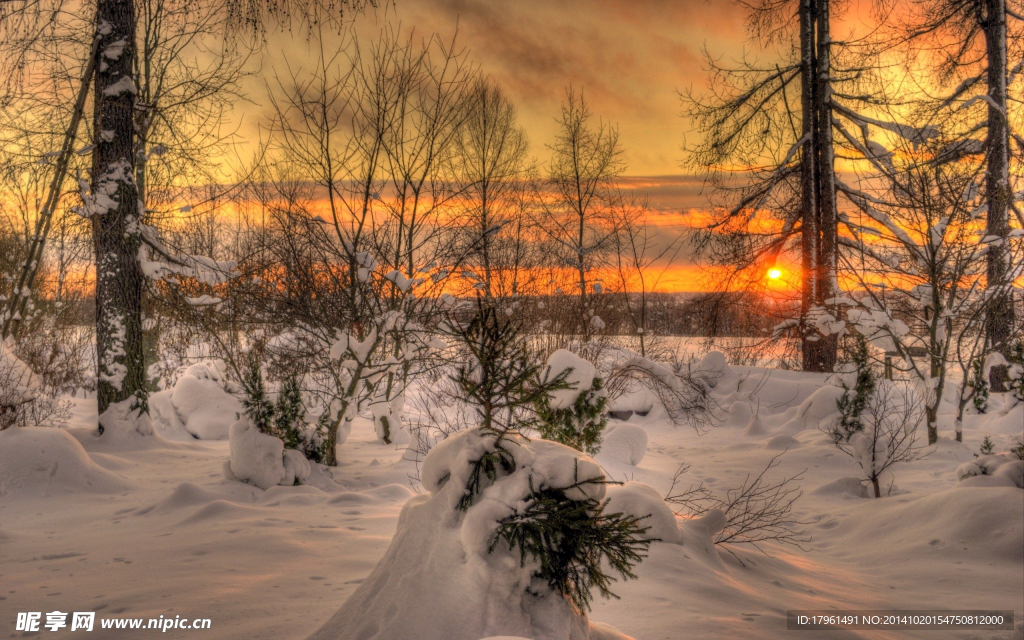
x,y
144,527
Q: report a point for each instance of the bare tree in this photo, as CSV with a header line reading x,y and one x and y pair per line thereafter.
x,y
974,42
490,161
884,436
785,122
642,259
579,208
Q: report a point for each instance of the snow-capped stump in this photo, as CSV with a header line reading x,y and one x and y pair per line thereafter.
x,y
625,444
462,564
1006,466
262,460
198,406
42,461
643,501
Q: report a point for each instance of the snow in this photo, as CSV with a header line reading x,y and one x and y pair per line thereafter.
x,y
262,460
442,579
18,383
197,406
144,527
644,501
40,462
624,443
580,377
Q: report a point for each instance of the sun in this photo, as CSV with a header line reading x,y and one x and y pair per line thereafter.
x,y
774,274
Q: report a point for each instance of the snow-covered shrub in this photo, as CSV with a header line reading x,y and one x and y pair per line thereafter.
x,y
883,435
978,382
286,418
854,399
574,416
262,460
1005,465
201,404
518,559
24,401
684,390
513,534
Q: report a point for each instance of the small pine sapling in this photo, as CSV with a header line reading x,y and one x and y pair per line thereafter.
x,y
286,418
255,401
987,447
979,385
854,400
579,425
572,539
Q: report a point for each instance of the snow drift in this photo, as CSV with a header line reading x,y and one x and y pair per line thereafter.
x,y
43,462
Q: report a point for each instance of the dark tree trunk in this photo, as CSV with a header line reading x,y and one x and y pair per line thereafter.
x,y
808,192
818,244
826,347
999,318
119,277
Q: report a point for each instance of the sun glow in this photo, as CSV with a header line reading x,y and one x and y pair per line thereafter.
x,y
774,274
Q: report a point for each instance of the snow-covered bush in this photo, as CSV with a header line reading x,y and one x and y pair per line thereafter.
x,y
1007,465
18,385
883,435
286,418
24,400
855,398
574,416
684,390
201,403
262,460
513,534
519,558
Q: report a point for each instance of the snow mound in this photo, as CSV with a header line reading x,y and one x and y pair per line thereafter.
x,y
782,442
643,501
1001,465
197,406
18,384
625,444
818,407
43,462
580,377
262,460
439,580
987,522
712,367
848,487
755,427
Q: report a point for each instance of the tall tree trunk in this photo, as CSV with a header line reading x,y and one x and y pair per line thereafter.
x,y
119,277
826,348
999,318
809,220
